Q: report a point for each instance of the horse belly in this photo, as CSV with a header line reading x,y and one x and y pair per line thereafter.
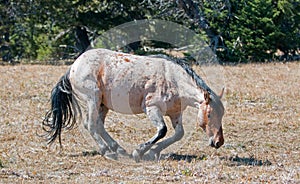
x,y
124,99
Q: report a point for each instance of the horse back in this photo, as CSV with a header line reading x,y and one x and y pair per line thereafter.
x,y
128,83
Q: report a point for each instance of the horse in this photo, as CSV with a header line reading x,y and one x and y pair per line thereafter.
x,y
101,80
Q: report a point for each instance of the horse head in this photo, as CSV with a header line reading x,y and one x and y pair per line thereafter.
x,y
210,115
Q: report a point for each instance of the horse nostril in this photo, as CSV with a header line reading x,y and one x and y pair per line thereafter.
x,y
217,144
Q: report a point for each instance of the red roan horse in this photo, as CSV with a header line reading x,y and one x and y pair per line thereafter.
x,y
102,80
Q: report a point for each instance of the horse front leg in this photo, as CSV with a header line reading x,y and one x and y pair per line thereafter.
x,y
176,120
155,115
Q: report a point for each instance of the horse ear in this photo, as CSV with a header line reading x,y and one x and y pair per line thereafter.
x,y
222,92
206,97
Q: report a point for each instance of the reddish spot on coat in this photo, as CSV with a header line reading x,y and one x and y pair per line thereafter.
x,y
126,59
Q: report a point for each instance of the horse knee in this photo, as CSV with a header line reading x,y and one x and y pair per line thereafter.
x,y
162,132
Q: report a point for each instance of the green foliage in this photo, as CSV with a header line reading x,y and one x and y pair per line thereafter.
x,y
45,50
256,30
241,30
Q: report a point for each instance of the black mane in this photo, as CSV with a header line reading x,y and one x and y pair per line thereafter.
x,y
184,64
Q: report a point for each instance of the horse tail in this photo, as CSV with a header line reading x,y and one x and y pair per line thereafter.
x,y
64,110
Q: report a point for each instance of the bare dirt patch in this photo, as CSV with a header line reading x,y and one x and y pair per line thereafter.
x,y
261,129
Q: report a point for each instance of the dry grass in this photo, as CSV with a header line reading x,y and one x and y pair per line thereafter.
x,y
261,128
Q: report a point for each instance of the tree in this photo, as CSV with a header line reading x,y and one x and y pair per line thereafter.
x,y
237,30
256,30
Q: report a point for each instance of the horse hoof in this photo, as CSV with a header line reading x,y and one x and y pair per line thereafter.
x,y
111,156
123,152
136,156
152,155
103,150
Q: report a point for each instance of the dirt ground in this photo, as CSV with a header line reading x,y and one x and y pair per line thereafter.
x,y
261,129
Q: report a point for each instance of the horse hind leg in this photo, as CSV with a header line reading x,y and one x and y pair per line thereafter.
x,y
90,96
113,145
155,115
95,125
91,127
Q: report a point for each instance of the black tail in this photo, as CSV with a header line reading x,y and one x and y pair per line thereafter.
x,y
63,112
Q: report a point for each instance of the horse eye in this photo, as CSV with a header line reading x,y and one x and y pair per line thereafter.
x,y
208,115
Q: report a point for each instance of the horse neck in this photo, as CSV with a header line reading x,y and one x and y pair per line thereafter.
x,y
192,94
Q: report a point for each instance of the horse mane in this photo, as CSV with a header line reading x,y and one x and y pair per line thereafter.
x,y
184,63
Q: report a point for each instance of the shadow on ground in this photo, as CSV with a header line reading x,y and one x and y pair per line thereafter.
x,y
246,161
231,161
179,157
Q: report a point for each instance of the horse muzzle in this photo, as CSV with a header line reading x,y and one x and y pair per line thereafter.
x,y
216,142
